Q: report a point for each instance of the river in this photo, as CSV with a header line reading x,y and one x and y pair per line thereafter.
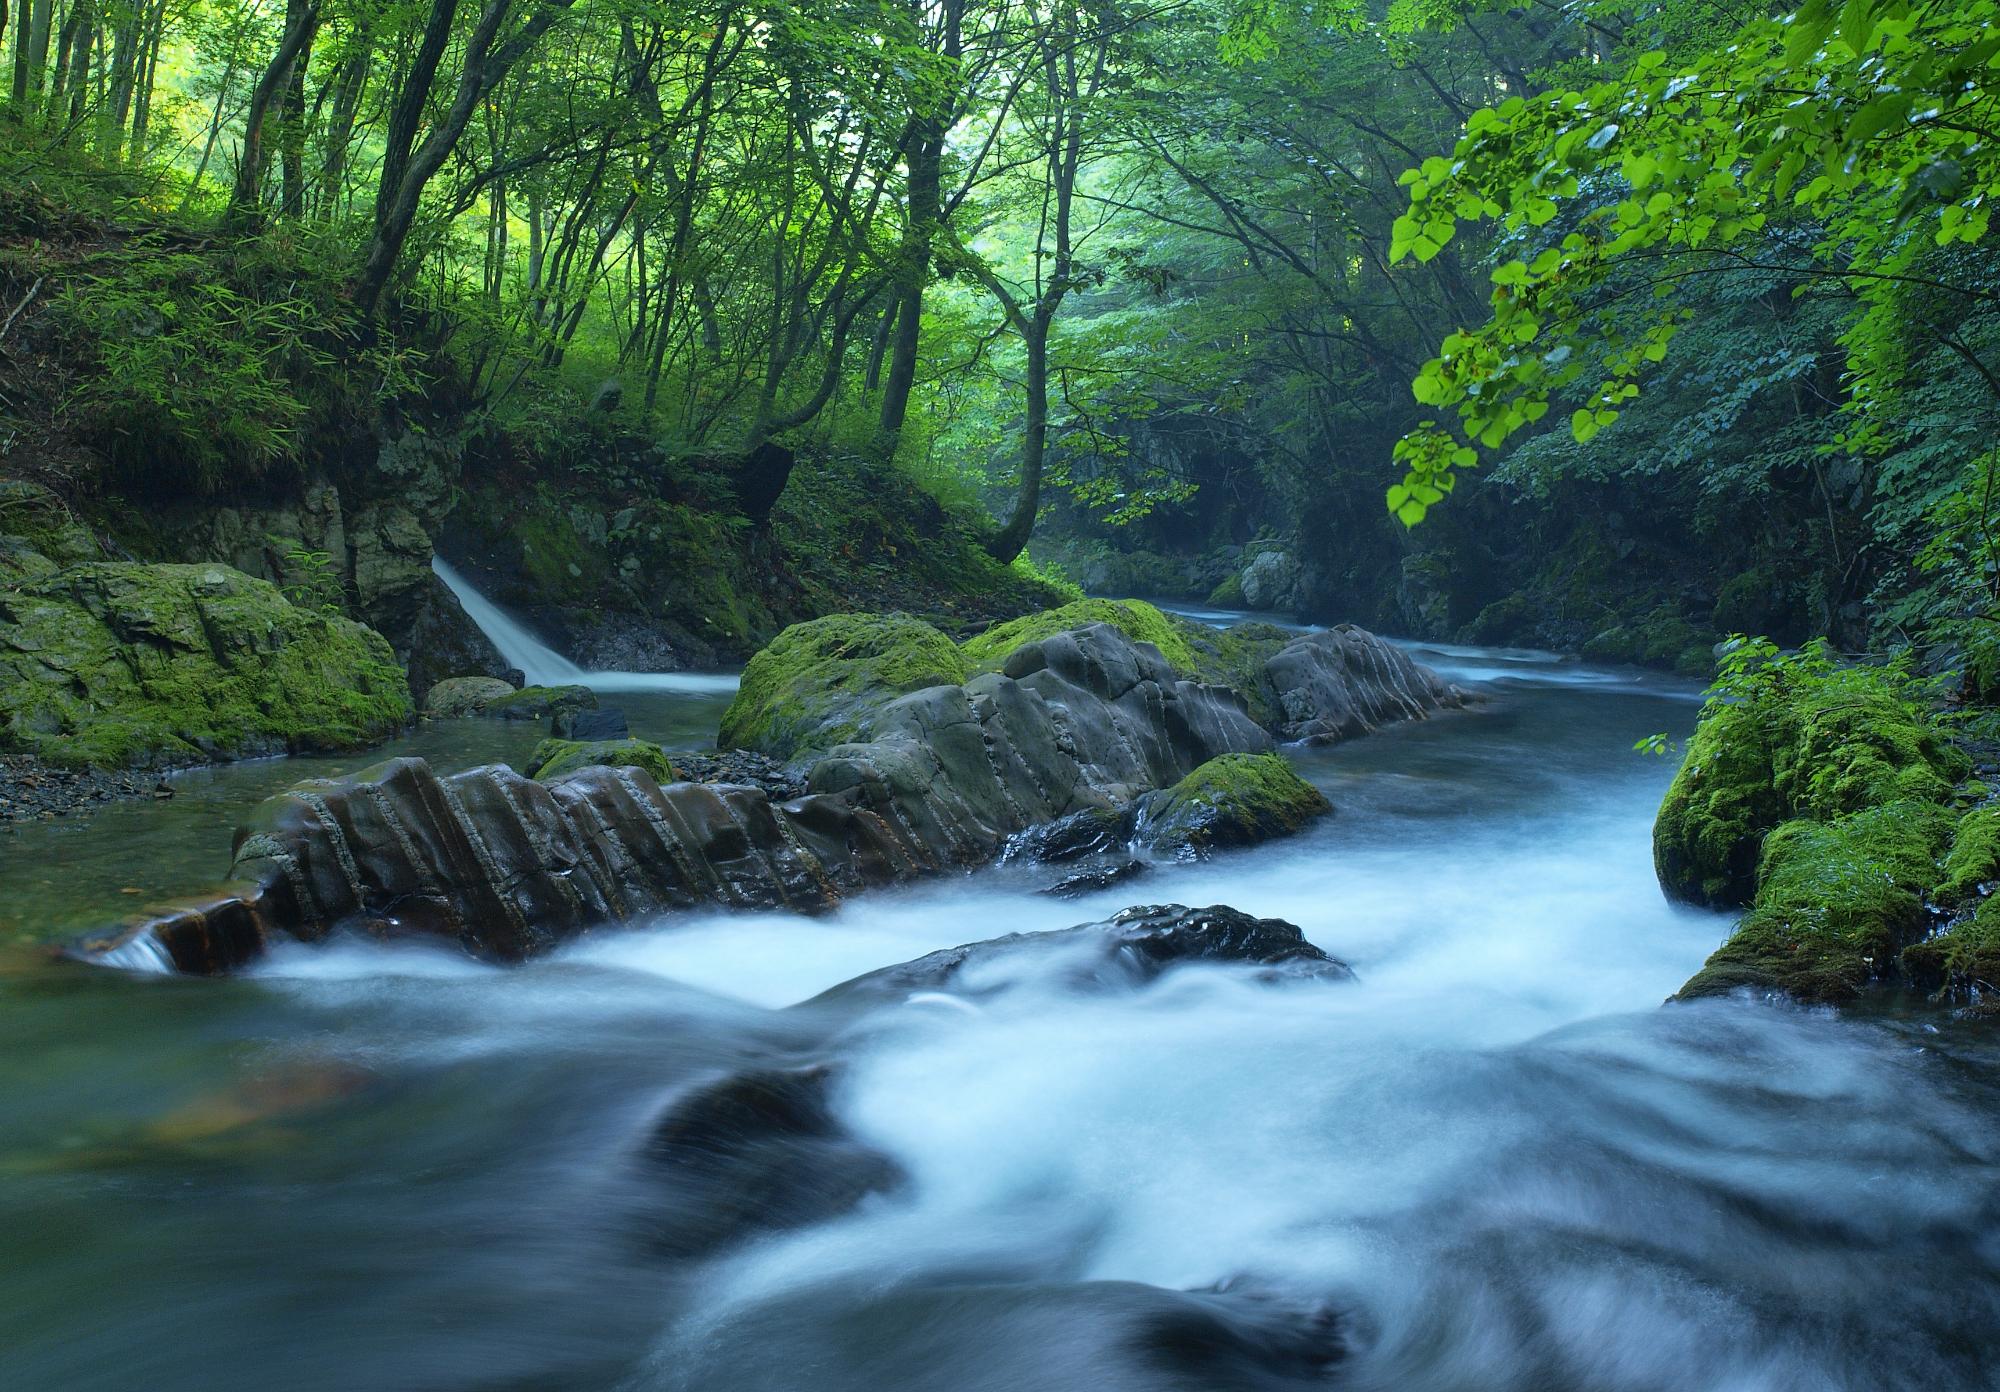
x,y
1492,1163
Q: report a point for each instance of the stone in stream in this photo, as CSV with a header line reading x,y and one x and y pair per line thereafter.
x,y
462,696
755,1151
1083,720
1129,948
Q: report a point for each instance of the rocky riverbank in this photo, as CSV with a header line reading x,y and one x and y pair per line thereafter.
x,y
1068,719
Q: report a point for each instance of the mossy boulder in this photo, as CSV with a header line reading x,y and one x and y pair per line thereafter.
x,y
122,665
816,684
1232,800
540,703
1136,619
1835,902
1815,753
463,696
555,757
1228,594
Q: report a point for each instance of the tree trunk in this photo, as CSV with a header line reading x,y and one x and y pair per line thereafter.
x,y
1012,539
340,126
28,68
292,135
245,198
149,65
124,71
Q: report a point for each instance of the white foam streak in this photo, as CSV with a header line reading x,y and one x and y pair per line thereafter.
x,y
542,665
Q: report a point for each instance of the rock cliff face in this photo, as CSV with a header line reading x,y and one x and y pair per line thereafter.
x,y
508,867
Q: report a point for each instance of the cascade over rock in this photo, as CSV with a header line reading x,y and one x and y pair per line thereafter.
x,y
508,867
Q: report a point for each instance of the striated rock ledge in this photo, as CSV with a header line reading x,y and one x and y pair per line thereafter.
x,y
509,867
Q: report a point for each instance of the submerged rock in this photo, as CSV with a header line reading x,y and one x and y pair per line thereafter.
x,y
1132,946
756,1151
122,665
551,703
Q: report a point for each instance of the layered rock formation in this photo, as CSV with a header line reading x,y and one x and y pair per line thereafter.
x,y
1078,720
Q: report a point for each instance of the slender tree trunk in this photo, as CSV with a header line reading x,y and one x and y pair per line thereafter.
x,y
245,199
28,68
124,71
1013,537
292,134
353,82
79,63
151,36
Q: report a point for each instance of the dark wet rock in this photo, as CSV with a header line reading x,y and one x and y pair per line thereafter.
x,y
756,1151
586,724
1342,682
1006,1335
1091,832
442,641
1082,882
1129,948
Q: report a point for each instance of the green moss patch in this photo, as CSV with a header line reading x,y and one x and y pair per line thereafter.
x,y
539,703
1232,800
812,686
120,665
555,757
1835,901
1135,618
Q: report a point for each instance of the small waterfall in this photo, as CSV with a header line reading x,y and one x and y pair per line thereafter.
x,y
544,666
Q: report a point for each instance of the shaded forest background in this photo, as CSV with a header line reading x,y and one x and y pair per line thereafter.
x,y
676,322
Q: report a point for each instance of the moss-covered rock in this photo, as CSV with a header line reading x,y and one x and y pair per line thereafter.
x,y
1232,800
121,665
1662,638
1835,902
814,685
1136,619
555,757
1228,594
462,696
540,703
1812,751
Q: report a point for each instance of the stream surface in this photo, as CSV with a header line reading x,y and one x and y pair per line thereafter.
x,y
1492,1163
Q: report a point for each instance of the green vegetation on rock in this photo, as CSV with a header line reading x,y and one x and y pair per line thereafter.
x,y
1835,901
1791,737
812,685
121,665
1136,619
555,757
463,696
1232,800
1975,855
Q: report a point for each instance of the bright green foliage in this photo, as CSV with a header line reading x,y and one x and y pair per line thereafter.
x,y
555,757
1835,901
1136,619
119,665
1975,855
1866,121
1232,800
812,686
1792,737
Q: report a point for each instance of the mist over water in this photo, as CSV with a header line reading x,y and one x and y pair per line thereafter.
x,y
1492,1162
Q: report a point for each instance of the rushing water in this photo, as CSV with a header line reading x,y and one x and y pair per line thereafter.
x,y
542,665
1493,1163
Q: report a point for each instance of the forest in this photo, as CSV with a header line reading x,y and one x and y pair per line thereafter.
x,y
633,631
